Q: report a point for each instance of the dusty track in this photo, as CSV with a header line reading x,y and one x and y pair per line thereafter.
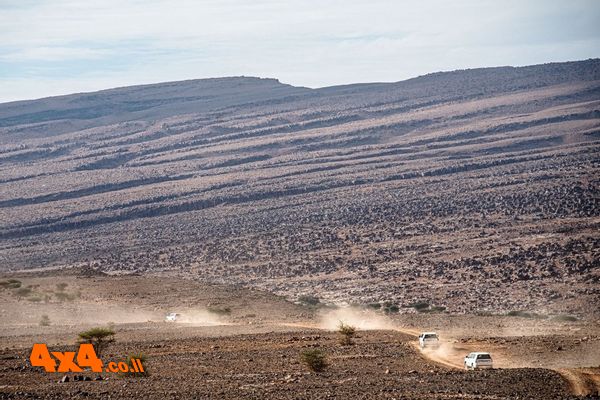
x,y
582,381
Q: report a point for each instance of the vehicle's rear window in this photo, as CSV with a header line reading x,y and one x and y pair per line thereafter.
x,y
430,336
484,357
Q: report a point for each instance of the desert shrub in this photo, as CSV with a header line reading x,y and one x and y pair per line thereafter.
x,y
565,318
314,359
390,308
374,306
348,332
45,320
484,313
35,299
219,310
525,314
516,313
143,358
62,296
420,305
100,338
14,283
10,284
23,292
61,286
309,300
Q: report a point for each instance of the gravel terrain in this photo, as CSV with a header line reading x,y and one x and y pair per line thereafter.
x,y
402,192
253,351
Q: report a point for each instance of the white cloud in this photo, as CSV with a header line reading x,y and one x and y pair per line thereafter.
x,y
53,53
309,43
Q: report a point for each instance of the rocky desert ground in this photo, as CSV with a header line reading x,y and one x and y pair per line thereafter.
x,y
411,191
253,351
464,202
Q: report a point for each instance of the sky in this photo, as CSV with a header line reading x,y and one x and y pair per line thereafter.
x,y
65,46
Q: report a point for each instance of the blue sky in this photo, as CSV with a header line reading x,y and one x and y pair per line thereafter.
x,y
65,46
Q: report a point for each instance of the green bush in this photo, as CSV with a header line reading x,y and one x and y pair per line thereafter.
x,y
309,300
390,308
374,306
61,286
23,292
565,318
314,359
348,332
100,338
525,314
10,284
420,305
143,358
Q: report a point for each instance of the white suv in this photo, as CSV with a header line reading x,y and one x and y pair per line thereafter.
x,y
429,339
172,317
478,360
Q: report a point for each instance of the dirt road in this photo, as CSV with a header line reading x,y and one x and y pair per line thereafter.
x,y
582,381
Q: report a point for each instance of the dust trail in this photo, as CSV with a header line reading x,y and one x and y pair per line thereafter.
x,y
446,354
360,319
582,381
200,318
300,325
449,353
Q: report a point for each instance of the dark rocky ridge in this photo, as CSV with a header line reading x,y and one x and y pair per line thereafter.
x,y
402,191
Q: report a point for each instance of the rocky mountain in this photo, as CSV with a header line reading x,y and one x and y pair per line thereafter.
x,y
472,190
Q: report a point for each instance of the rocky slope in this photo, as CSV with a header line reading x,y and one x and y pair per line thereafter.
x,y
473,190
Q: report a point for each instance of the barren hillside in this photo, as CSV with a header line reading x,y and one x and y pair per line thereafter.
x,y
473,190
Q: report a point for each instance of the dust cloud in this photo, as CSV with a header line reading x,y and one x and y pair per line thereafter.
x,y
360,319
200,318
446,353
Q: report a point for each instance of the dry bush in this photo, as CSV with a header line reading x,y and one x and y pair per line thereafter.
x,y
347,333
45,320
143,358
61,286
10,284
314,359
309,300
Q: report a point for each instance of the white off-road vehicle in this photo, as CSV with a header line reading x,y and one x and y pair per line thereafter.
x,y
172,317
429,339
478,360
